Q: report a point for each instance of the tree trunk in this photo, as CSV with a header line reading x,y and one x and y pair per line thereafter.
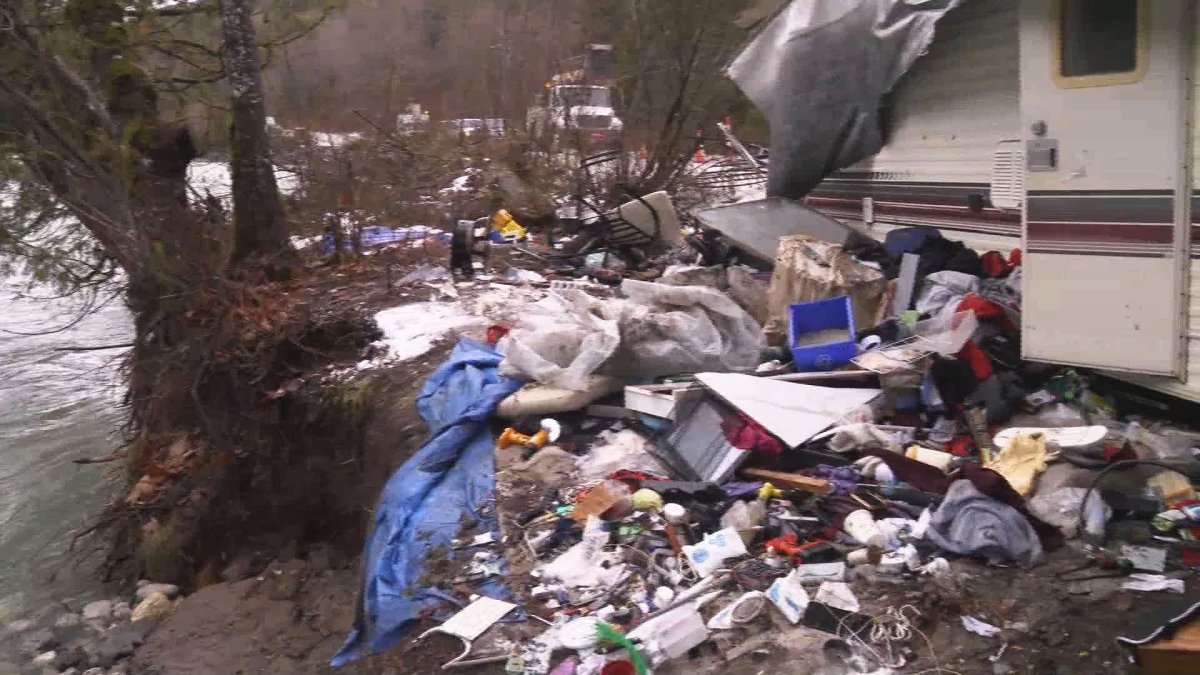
x,y
259,227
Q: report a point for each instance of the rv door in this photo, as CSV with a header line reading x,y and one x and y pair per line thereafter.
x,y
1104,104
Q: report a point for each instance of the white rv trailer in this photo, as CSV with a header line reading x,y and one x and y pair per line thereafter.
x,y
1065,127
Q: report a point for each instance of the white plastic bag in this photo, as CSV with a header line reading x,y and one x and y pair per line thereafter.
x,y
788,594
584,564
1061,509
717,547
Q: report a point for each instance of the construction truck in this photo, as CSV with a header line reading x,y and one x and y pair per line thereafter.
x,y
578,103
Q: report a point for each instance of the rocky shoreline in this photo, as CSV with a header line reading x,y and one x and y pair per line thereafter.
x,y
98,639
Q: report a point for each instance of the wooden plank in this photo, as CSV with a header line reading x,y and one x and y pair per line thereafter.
x,y
794,481
1178,655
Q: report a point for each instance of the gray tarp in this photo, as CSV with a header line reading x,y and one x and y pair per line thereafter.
x,y
818,71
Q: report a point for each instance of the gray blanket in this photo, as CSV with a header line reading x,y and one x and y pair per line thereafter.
x,y
970,523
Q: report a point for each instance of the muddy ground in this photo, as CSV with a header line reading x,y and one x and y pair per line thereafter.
x,y
293,617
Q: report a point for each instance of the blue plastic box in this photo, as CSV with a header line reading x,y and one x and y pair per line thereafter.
x,y
811,317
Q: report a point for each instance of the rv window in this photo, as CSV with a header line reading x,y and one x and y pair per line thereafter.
x,y
1098,38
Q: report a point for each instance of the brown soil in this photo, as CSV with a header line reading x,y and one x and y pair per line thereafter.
x,y
292,618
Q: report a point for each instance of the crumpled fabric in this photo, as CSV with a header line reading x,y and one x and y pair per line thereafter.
x,y
744,433
1006,293
860,435
940,296
986,309
1021,461
930,479
842,479
969,522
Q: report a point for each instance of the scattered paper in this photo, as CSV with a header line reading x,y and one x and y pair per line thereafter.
x,y
1152,582
837,594
473,620
517,275
812,573
979,627
1145,558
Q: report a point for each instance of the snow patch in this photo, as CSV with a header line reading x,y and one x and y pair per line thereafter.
x,y
461,183
411,330
326,139
217,178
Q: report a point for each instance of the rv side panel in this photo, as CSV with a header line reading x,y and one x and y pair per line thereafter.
x,y
943,124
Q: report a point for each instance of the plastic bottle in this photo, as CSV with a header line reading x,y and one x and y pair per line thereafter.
x,y
937,458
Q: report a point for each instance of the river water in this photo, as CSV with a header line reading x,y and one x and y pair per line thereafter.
x,y
55,407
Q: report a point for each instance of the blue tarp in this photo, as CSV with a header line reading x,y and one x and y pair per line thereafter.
x,y
378,235
452,475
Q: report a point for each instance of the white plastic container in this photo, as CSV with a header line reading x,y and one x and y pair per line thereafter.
x,y
861,526
936,458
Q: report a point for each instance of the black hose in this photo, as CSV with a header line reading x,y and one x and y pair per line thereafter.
x,y
1096,481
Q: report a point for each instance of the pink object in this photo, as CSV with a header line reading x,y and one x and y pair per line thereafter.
x,y
567,667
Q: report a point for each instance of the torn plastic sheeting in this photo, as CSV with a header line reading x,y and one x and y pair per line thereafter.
x,y
656,330
616,450
452,475
818,71
586,563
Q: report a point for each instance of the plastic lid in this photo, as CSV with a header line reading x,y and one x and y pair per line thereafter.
x,y
674,513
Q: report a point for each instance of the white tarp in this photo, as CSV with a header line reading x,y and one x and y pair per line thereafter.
x,y
791,411
655,330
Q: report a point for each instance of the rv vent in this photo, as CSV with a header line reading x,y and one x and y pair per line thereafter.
x,y
1008,175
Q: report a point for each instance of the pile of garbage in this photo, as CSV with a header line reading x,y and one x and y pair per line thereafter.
x,y
692,462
